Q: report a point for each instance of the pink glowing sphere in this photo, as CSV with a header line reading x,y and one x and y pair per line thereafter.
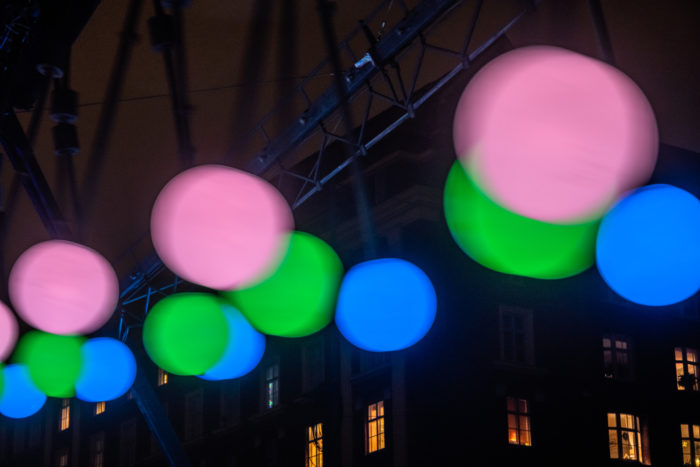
x,y
554,135
8,331
220,227
63,288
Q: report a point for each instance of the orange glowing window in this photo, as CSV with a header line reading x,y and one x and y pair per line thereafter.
x,y
162,377
624,437
690,443
375,440
519,430
64,422
314,445
686,369
100,407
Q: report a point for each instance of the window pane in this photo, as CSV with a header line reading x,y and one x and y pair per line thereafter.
x,y
381,441
679,354
621,344
691,355
525,438
523,406
510,402
611,420
372,412
524,422
380,408
612,438
381,426
512,421
685,433
372,429
513,436
696,432
606,342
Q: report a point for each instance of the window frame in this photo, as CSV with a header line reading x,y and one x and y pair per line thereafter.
x,y
314,438
100,408
162,377
693,439
685,364
271,385
518,415
616,370
378,421
619,431
64,415
508,313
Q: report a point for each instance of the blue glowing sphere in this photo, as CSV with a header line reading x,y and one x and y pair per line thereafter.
x,y
20,398
385,304
108,370
244,349
648,246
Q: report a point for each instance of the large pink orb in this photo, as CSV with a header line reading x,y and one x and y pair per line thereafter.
x,y
554,135
8,331
63,288
220,227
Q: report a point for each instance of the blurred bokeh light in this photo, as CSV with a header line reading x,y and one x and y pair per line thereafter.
x,y
63,288
385,304
554,135
506,242
8,331
220,227
20,397
648,250
108,370
298,299
186,333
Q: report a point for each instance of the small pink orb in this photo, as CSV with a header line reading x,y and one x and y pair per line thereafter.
x,y
554,135
8,331
220,227
63,288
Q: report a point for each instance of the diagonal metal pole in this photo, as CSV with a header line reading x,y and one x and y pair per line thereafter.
x,y
364,212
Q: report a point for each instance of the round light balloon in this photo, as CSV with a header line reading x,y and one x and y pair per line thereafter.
x,y
8,331
63,288
244,350
108,370
20,397
648,250
53,361
511,244
220,227
306,282
385,304
554,135
186,333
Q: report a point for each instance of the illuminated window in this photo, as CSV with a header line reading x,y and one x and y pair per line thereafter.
x,y
314,445
97,455
62,458
516,335
375,427
162,377
624,436
519,431
272,386
616,358
690,442
100,407
64,421
686,369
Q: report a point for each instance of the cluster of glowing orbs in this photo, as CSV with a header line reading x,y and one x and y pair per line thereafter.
x,y
511,244
220,227
385,305
554,135
8,331
244,349
648,247
54,362
19,397
298,299
186,333
108,370
63,288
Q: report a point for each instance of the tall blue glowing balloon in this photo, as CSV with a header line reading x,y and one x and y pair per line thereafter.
x,y
648,246
385,305
244,349
108,370
20,397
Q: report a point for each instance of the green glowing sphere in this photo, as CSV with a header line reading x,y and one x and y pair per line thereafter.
x,y
54,361
186,333
298,299
509,243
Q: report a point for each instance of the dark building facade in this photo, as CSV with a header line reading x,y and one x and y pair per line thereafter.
x,y
514,371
